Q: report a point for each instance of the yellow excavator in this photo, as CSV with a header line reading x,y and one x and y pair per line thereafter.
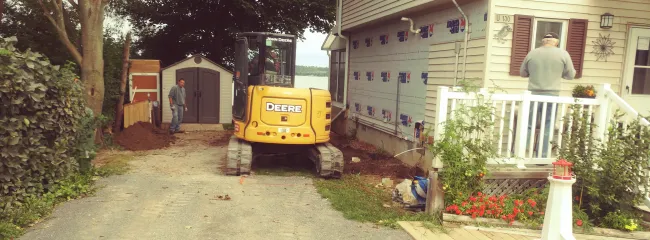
x,y
270,116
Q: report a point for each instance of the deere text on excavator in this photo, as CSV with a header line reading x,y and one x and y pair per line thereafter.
x,y
271,118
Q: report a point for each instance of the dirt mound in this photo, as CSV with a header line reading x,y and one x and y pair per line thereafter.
x,y
144,136
372,161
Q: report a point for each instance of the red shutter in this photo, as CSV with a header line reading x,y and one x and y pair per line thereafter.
x,y
521,40
576,42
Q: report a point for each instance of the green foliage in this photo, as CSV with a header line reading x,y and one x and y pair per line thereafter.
x,y
40,110
621,220
611,172
312,71
584,91
360,201
33,208
465,146
25,19
210,30
113,54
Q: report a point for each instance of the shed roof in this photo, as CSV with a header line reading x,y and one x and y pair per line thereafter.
x,y
202,57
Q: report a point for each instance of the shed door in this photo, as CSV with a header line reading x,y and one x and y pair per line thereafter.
x,y
191,84
208,96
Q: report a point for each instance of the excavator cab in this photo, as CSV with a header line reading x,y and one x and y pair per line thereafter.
x,y
277,68
270,116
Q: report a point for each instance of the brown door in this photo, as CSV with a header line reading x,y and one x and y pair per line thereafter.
x,y
190,75
208,93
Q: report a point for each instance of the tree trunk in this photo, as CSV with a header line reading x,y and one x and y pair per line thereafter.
x,y
119,108
92,41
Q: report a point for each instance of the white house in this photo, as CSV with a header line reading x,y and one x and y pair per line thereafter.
x,y
388,72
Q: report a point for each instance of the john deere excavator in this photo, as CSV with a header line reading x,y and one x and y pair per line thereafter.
x,y
272,118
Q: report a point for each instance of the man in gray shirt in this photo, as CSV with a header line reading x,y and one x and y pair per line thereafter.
x,y
177,105
545,67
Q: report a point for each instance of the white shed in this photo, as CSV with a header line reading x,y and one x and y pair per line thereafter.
x,y
208,87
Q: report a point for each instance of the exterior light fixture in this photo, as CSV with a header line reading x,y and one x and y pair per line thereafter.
x,y
606,21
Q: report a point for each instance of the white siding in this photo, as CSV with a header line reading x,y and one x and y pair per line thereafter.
x,y
432,55
628,12
225,88
442,61
358,12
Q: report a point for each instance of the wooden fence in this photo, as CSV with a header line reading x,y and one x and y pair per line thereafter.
x,y
136,112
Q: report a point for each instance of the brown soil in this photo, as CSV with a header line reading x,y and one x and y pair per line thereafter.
x,y
372,162
144,136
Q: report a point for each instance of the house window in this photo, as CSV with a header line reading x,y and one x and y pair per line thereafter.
x,y
337,75
543,26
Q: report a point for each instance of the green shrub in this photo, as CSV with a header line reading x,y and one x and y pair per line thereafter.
x,y
609,173
41,106
33,208
465,146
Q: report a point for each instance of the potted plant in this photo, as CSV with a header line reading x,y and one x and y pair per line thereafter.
x,y
581,91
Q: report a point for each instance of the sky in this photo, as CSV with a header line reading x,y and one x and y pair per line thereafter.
x,y
308,52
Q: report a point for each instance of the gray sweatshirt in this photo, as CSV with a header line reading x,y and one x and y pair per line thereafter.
x,y
545,67
177,94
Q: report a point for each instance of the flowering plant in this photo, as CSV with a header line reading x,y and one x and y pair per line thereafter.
x,y
584,92
502,207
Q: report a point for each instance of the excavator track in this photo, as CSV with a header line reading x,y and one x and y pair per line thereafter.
x,y
328,160
240,157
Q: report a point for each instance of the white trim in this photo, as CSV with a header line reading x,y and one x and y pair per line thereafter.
x,y
565,31
629,60
338,104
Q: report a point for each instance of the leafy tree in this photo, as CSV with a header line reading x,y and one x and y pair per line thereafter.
x,y
89,54
169,30
24,19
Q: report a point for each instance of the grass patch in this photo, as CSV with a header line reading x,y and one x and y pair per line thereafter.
x,y
13,220
360,201
113,164
285,172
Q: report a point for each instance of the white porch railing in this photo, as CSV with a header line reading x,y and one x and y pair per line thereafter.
x,y
515,143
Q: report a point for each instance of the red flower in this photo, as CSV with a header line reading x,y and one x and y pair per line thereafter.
x,y
480,194
577,198
579,223
473,215
541,213
532,202
530,213
463,204
458,212
473,199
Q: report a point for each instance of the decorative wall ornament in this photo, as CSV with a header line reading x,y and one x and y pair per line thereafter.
x,y
603,47
503,33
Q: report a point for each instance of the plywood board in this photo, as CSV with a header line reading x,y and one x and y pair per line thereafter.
x,y
144,66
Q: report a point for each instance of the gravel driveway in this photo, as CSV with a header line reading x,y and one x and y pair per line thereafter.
x,y
174,194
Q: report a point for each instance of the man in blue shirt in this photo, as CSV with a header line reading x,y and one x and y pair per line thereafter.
x,y
177,106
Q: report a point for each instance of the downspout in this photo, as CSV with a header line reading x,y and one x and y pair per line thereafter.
x,y
339,10
467,29
339,21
